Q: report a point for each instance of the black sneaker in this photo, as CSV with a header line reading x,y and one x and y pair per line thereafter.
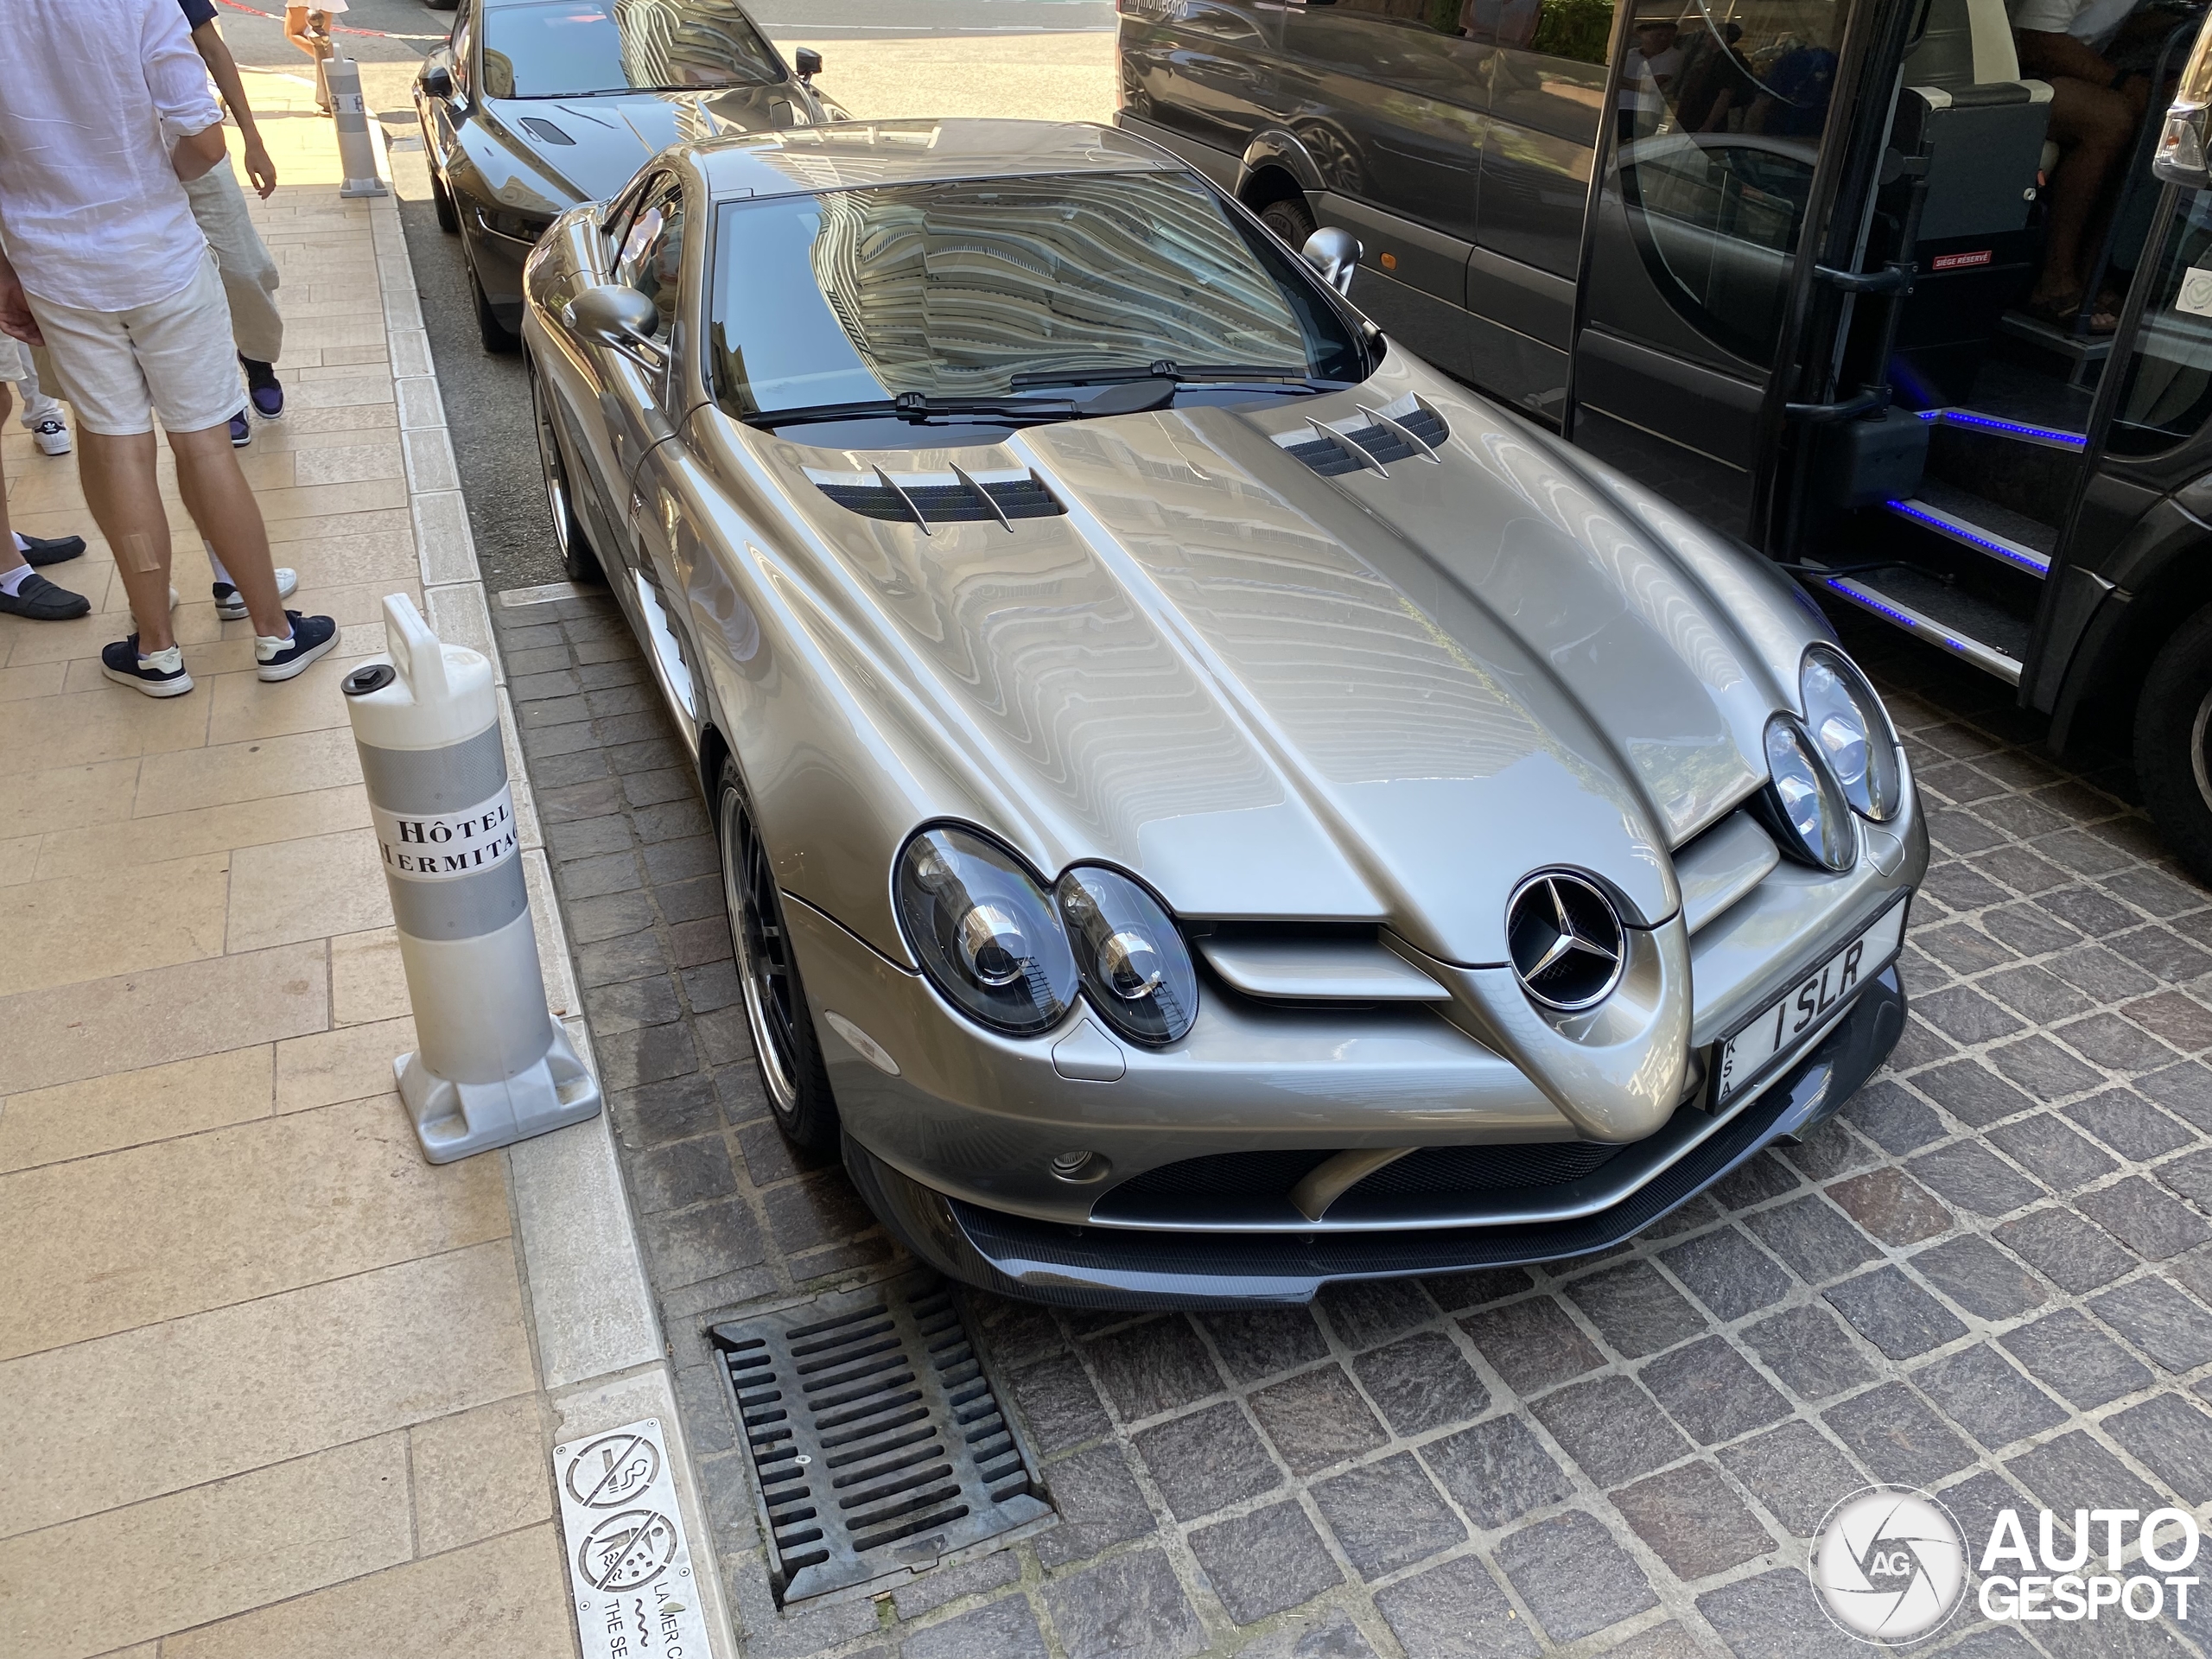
x,y
161,675
39,550
263,386
42,601
280,659
241,434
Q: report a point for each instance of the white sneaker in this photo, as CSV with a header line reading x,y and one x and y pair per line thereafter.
x,y
53,436
230,604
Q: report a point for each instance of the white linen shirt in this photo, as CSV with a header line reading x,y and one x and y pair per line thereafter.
x,y
93,96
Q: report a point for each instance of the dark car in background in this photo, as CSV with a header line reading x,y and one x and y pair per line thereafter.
x,y
532,107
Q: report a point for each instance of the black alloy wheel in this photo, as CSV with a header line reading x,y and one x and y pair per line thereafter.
x,y
577,558
1290,219
2173,742
784,1044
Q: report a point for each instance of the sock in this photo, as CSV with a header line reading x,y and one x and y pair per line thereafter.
x,y
222,576
12,581
22,546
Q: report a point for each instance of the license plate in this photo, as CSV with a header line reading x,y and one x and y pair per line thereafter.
x,y
1808,1006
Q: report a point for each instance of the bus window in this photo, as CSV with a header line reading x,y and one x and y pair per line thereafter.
x,y
2167,396
1721,112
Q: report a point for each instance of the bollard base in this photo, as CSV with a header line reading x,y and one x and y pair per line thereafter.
x,y
453,1120
363,188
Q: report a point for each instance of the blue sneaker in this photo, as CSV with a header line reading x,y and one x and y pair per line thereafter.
x,y
230,604
280,659
263,386
161,675
241,434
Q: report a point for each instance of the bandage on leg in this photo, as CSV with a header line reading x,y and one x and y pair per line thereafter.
x,y
138,554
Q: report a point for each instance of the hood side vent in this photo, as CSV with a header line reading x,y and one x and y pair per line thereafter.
x,y
954,498
1406,430
538,127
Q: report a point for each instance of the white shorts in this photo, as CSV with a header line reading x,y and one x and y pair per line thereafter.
x,y
172,360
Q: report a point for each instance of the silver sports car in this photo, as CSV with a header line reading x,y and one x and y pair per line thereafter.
x,y
1208,806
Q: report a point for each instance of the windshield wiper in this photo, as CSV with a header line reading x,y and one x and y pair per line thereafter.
x,y
1190,374
1122,398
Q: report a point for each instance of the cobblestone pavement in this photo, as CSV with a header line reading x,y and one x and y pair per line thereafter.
x,y
1989,1278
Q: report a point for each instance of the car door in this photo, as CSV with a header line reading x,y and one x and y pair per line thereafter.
x,y
1695,241
1386,95
614,400
1546,102
455,57
1199,68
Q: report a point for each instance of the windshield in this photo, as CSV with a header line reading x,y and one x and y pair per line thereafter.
x,y
578,48
991,287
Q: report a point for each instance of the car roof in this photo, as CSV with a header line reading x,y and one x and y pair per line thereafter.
x,y
850,154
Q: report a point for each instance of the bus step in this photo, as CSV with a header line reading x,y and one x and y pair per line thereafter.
x,y
2012,538
1922,607
1996,426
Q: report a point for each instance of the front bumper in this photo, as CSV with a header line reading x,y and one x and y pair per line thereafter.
x,y
1096,1266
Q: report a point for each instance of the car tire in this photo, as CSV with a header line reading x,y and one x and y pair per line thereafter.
x,y
498,339
442,199
578,558
792,1073
2173,742
1290,219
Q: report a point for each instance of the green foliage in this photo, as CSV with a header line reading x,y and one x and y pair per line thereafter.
x,y
1581,29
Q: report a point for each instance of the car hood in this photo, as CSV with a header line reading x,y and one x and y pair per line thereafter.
x,y
610,138
1271,693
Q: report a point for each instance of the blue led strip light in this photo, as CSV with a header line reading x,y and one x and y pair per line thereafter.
x,y
2050,434
2024,559
1858,595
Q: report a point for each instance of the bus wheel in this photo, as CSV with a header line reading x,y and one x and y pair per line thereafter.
x,y
1290,219
2173,742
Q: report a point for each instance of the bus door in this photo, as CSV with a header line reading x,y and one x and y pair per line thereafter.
x,y
1727,167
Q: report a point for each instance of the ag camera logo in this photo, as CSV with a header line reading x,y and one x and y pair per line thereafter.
x,y
1889,1565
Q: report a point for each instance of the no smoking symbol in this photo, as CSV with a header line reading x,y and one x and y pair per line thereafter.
x,y
626,1550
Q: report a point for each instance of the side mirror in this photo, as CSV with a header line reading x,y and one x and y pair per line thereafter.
x,y
617,316
437,81
808,61
2180,158
1334,254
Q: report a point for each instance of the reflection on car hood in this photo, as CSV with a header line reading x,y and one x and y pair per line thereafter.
x,y
1274,693
615,137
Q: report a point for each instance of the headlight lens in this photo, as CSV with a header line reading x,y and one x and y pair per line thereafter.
x,y
1853,729
1133,962
1815,819
985,934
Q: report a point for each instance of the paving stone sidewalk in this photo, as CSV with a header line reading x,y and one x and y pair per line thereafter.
x,y
1992,1277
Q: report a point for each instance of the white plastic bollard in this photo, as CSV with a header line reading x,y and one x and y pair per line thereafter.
x,y
351,113
495,1066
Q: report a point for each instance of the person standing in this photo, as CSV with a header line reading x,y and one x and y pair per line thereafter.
x,y
250,275
308,29
41,415
23,592
104,113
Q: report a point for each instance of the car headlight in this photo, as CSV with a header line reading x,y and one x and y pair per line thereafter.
x,y
1134,964
1806,801
1847,720
984,932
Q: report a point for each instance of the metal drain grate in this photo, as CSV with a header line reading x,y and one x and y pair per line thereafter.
x,y
880,1445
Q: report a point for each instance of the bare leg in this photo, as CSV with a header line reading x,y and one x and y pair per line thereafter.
x,y
221,503
117,475
2095,124
9,557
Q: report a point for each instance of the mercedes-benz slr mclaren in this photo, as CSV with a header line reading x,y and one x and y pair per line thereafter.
x,y
1209,804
